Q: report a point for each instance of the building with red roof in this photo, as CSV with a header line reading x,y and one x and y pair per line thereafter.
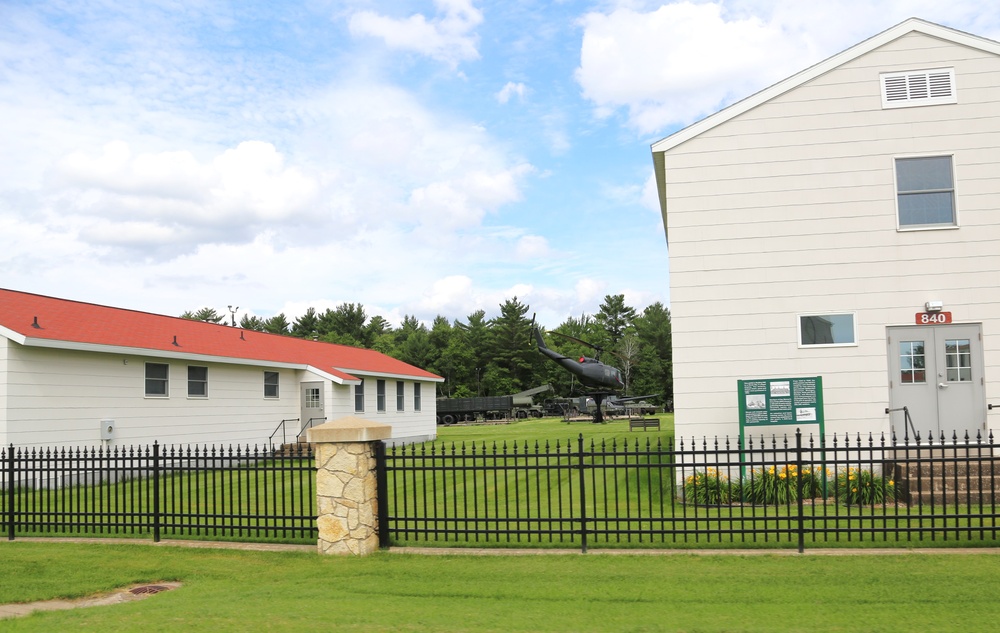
x,y
80,374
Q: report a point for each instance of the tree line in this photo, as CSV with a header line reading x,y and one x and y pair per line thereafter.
x,y
498,356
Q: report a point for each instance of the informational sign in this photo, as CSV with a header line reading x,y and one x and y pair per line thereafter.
x,y
772,401
933,318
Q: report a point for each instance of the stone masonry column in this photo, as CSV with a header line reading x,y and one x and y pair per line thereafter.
x,y
346,491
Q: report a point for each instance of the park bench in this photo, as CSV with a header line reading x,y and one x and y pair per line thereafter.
x,y
643,423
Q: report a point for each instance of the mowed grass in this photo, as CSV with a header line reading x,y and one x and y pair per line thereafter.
x,y
225,590
554,430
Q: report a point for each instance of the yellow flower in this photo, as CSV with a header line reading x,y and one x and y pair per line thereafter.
x,y
892,483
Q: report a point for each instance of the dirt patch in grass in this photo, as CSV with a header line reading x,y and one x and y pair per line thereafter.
x,y
126,594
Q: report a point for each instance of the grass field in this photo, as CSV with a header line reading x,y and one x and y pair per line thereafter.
x,y
265,591
554,430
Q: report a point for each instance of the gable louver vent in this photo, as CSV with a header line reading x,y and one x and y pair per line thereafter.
x,y
924,87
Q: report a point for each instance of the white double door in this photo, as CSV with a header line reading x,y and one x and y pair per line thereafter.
x,y
937,373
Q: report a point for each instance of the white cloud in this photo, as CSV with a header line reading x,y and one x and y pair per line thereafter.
x,y
511,89
676,62
532,247
449,37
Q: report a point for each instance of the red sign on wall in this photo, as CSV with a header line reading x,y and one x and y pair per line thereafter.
x,y
933,318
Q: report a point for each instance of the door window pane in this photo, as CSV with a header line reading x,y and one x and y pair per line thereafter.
x,y
912,368
958,360
312,398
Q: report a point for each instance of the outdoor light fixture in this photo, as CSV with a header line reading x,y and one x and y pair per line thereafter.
x,y
934,306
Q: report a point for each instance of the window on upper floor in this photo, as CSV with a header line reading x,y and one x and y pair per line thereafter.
x,y
918,88
925,192
197,382
157,379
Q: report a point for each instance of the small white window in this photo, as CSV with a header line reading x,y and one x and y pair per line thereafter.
x,y
918,88
380,396
270,384
197,382
416,396
827,330
157,379
399,395
359,397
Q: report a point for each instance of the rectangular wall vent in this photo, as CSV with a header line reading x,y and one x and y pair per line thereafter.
x,y
918,88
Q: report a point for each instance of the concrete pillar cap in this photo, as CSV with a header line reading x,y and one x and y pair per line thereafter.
x,y
349,429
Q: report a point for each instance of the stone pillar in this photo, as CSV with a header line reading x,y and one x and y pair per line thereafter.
x,y
346,491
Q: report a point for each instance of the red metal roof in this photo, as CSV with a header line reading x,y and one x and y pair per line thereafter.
x,y
61,320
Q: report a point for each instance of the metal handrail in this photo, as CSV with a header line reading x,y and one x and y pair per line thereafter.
x,y
281,425
308,425
907,419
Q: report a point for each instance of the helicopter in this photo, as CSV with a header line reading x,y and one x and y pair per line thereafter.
x,y
605,380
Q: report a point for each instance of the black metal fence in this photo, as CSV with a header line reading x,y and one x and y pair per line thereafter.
x,y
791,491
779,491
179,492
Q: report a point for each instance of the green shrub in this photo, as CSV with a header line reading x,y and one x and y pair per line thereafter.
x,y
856,486
771,485
709,487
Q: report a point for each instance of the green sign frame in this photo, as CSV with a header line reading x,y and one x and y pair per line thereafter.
x,y
781,401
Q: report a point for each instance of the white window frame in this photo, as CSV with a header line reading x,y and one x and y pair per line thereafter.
x,y
276,384
380,395
359,397
416,396
798,329
912,78
954,194
400,396
166,381
200,396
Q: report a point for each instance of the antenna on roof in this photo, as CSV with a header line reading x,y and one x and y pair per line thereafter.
x,y
232,314
35,324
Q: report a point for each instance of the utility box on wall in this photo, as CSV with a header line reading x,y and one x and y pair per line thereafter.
x,y
107,429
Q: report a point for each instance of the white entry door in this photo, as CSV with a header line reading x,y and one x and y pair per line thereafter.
x,y
312,404
937,373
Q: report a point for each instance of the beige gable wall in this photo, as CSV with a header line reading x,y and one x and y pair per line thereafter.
x,y
789,208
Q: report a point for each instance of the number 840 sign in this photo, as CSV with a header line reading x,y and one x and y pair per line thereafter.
x,y
933,318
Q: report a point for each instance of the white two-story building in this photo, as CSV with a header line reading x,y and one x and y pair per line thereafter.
x,y
844,224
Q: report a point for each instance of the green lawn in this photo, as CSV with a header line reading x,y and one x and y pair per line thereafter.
x,y
554,429
249,591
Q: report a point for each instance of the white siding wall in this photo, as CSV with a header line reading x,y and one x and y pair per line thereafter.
x,y
3,390
407,425
58,397
790,208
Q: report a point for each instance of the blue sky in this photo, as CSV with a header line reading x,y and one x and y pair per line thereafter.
x,y
417,157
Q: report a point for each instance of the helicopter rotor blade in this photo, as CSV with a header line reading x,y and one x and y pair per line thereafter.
x,y
576,340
